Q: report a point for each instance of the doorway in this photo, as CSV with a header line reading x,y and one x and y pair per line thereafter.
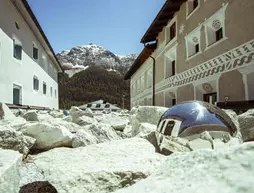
x,y
210,98
17,90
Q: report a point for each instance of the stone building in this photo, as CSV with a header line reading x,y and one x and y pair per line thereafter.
x,y
196,50
28,66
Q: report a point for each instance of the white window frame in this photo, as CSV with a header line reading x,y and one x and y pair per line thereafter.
x,y
35,77
35,46
44,83
219,15
150,77
167,31
189,14
16,41
189,39
171,55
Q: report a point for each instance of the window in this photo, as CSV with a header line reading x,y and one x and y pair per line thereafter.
x,y
173,102
98,106
169,128
192,5
215,28
149,78
17,49
36,83
51,91
170,62
193,42
161,125
89,105
219,34
55,93
44,88
35,52
173,31
17,25
107,105
173,63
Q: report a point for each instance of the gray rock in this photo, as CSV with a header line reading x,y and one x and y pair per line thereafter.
x,y
100,168
47,135
145,114
246,121
103,132
83,138
10,164
14,140
229,171
31,116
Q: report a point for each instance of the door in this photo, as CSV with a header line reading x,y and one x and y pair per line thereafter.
x,y
210,98
16,95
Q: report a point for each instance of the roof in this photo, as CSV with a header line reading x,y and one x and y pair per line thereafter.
x,y
145,53
29,10
166,13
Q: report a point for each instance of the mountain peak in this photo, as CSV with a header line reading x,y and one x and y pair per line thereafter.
x,y
92,54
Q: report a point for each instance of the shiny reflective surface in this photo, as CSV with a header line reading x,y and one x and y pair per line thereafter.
x,y
198,113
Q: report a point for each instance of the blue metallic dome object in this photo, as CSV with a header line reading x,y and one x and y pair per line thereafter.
x,y
193,117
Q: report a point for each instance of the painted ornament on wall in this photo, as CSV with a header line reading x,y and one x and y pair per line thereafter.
x,y
181,30
207,87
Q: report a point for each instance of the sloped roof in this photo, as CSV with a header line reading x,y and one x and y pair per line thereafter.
x,y
145,53
30,12
166,13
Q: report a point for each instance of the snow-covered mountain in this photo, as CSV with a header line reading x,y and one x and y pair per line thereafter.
x,y
80,57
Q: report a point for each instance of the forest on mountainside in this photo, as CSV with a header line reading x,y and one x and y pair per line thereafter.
x,y
93,84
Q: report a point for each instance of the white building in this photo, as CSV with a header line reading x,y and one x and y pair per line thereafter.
x,y
28,66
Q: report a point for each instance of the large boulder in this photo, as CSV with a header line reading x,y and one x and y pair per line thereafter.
x,y
246,121
11,139
76,112
145,114
84,120
233,116
10,164
56,114
229,171
31,116
115,121
99,168
47,135
83,138
103,132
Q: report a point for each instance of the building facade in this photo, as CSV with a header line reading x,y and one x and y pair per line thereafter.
x,y
28,66
204,51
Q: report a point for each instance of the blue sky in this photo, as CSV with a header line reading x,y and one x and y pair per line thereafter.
x,y
117,25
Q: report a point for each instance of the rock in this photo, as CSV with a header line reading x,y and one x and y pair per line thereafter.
x,y
72,127
170,144
145,114
6,113
146,128
39,186
233,116
246,121
1,111
76,113
84,120
14,140
115,121
99,168
10,164
229,171
31,116
103,132
44,116
83,138
67,118
122,134
128,130
199,144
56,114
47,135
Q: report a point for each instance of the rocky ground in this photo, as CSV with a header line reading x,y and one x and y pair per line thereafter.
x,y
86,152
